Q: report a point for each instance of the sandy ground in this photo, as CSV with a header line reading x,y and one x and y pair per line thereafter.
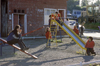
x,y
92,33
63,55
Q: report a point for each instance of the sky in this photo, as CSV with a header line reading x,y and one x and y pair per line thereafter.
x,y
90,1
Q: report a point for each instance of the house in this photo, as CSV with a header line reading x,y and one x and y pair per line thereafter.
x,y
69,15
30,14
76,13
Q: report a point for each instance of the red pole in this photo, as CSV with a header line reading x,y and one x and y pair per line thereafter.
x,y
32,31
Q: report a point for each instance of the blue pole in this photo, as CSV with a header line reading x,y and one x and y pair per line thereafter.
x,y
60,35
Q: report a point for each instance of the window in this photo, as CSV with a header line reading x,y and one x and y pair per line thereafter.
x,y
78,12
48,12
15,10
74,12
52,11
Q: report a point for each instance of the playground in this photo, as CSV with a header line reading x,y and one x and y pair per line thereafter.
x,y
40,33
70,49
63,55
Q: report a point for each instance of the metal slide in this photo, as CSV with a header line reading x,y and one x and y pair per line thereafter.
x,y
72,34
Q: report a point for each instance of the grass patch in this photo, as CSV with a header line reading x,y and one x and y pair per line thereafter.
x,y
58,41
92,26
15,53
92,65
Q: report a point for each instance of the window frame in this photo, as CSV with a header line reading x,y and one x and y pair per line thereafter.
x,y
48,15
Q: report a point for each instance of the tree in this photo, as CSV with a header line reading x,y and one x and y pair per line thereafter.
x,y
73,4
97,3
84,2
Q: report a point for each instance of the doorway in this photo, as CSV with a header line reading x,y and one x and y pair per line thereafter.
x,y
63,16
20,19
21,22
63,13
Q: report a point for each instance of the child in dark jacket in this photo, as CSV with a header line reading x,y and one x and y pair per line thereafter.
x,y
90,45
15,37
48,36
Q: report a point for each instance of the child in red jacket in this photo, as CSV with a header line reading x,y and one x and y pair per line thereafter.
x,y
76,30
48,36
89,45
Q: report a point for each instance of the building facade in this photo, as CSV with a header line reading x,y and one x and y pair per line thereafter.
x,y
30,14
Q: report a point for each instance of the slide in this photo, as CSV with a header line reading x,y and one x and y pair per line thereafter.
x,y
72,34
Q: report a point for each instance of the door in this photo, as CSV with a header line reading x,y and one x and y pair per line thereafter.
x,y
19,19
15,20
21,22
62,14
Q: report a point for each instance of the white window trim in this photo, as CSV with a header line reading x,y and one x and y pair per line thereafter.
x,y
50,12
55,10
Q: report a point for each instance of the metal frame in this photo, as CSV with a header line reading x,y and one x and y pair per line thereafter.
x,y
71,35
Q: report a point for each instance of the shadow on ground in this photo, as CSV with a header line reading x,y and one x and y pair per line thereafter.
x,y
25,62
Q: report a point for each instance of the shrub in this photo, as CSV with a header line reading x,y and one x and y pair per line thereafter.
x,y
92,26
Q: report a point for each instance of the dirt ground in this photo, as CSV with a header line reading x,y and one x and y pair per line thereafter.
x,y
63,55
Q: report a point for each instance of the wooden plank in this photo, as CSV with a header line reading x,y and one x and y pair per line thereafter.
x,y
19,49
32,31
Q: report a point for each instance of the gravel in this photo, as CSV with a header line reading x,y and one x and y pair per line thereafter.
x,y
63,55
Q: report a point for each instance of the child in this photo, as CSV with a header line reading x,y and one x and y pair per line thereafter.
x,y
89,45
15,37
48,36
76,30
58,18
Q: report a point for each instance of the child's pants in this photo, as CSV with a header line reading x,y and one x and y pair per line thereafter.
x,y
90,50
19,41
48,42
